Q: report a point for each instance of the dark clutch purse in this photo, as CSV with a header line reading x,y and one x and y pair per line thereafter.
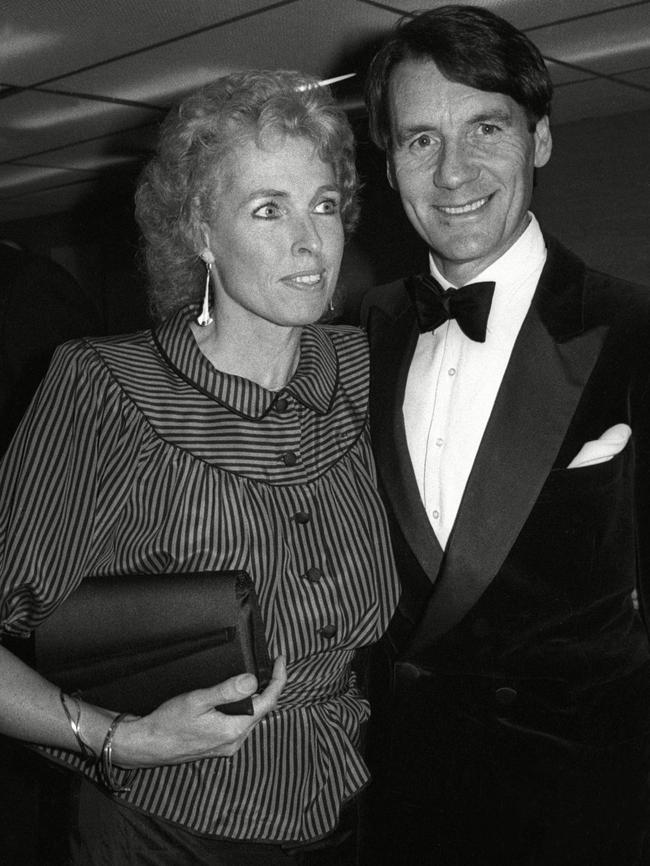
x,y
131,642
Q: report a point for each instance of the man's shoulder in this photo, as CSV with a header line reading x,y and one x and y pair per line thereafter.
x,y
614,300
596,280
603,298
601,282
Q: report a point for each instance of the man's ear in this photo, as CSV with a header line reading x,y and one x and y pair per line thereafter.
x,y
390,172
543,142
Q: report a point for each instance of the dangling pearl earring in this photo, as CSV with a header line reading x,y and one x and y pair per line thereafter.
x,y
331,306
205,318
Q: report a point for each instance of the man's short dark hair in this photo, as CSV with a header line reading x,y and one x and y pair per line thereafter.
x,y
469,45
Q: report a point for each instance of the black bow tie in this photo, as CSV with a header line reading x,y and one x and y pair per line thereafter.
x,y
469,305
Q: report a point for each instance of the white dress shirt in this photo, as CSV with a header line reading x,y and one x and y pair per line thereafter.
x,y
453,381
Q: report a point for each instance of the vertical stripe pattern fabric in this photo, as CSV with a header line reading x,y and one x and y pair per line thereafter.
x,y
137,456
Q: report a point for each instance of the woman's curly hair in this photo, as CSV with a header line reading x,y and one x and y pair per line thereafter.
x,y
179,188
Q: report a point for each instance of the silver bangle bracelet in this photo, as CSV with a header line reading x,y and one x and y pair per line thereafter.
x,y
105,766
85,748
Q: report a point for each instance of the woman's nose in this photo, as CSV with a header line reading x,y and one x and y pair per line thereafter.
x,y
307,238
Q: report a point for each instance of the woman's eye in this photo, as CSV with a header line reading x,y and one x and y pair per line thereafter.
x,y
327,206
267,211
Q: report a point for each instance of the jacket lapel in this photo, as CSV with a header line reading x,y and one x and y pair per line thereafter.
x,y
393,340
551,361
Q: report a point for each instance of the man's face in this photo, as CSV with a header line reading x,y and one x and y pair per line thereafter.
x,y
462,161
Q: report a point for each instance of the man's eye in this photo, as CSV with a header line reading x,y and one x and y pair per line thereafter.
x,y
422,142
267,211
488,129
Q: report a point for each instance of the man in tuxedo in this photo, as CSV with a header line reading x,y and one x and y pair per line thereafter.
x,y
511,423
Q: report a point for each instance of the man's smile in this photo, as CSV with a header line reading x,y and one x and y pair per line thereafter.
x,y
459,210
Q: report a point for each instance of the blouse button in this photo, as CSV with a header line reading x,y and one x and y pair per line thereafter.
x,y
302,517
314,574
289,458
281,404
327,631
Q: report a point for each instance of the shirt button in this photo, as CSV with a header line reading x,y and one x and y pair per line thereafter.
x,y
327,631
289,458
435,514
452,371
281,404
440,442
302,517
313,574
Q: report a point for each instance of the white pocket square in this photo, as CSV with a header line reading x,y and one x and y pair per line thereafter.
x,y
611,443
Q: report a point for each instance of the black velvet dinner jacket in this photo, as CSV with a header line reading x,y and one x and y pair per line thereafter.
x,y
534,542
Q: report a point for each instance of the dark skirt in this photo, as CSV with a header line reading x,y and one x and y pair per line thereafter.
x,y
105,832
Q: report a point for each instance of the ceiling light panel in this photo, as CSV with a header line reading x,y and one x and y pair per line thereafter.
x,y
20,179
41,40
522,13
590,42
324,37
121,150
36,122
640,77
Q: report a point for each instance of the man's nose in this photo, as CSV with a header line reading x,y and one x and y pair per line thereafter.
x,y
455,166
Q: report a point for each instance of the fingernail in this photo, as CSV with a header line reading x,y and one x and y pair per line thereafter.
x,y
245,683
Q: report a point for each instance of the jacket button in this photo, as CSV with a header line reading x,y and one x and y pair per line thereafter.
x,y
313,574
408,671
289,458
327,631
505,696
302,517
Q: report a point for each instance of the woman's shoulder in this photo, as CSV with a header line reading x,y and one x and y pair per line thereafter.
x,y
104,347
349,343
349,353
344,335
128,362
133,342
129,355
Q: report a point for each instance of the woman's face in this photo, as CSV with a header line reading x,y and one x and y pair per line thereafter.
x,y
277,237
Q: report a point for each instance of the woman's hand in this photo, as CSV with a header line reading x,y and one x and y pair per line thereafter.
x,y
188,727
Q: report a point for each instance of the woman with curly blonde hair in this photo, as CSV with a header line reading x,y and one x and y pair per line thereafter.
x,y
180,187
232,436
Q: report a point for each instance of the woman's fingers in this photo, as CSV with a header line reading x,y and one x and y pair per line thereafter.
x,y
189,727
267,700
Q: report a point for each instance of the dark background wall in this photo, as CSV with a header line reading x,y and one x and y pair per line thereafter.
x,y
594,195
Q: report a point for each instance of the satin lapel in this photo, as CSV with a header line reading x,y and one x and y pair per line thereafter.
x,y
537,399
392,343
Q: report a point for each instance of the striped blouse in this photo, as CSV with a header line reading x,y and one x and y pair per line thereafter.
x,y
136,455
